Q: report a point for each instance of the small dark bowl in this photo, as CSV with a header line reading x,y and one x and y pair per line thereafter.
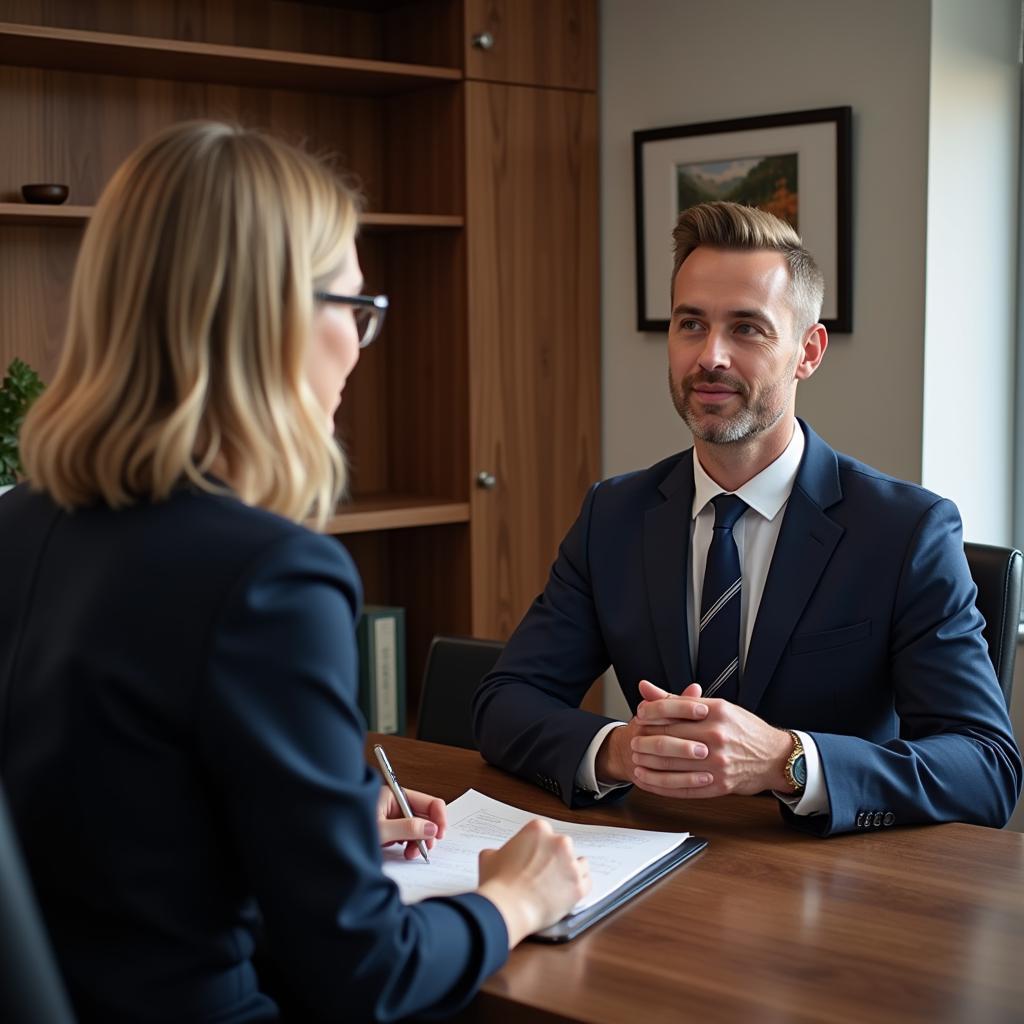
x,y
52,194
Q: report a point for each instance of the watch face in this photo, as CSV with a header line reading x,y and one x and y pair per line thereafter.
x,y
799,770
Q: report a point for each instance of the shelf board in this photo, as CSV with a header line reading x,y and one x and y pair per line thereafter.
x,y
395,512
109,53
40,213
378,222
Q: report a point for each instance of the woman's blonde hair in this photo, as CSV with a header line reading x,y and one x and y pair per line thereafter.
x,y
191,310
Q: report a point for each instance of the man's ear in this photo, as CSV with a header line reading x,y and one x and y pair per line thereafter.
x,y
812,350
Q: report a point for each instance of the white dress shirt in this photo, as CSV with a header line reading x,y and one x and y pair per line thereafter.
x,y
755,532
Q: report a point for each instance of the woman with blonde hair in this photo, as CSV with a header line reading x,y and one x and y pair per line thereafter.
x,y
179,735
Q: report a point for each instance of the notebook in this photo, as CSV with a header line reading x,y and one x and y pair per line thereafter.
x,y
623,861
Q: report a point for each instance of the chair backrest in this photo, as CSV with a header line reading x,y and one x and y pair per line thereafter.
x,y
997,573
455,666
31,988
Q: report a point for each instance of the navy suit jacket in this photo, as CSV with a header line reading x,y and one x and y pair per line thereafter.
x,y
181,744
867,637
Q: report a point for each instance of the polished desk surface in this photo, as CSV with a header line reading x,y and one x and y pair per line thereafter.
x,y
767,924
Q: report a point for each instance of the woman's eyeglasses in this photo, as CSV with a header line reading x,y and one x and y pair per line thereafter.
x,y
368,311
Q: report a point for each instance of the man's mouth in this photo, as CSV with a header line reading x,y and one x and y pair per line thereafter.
x,y
713,392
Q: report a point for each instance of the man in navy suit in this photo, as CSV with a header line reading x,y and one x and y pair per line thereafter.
x,y
779,616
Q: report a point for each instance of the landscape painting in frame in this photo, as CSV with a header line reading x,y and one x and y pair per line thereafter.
x,y
768,182
796,165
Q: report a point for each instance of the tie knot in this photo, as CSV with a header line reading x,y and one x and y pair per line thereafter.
x,y
728,508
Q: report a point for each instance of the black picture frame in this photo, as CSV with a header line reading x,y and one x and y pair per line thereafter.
x,y
820,140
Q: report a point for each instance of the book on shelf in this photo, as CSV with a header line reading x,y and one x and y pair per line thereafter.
x,y
380,634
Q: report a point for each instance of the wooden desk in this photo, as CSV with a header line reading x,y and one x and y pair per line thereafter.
x,y
923,924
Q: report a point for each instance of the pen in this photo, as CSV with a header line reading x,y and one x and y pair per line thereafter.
x,y
396,788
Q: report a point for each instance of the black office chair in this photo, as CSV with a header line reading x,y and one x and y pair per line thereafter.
x,y
997,573
31,988
455,666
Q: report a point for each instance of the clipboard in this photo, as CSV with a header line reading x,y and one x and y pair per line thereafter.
x,y
574,924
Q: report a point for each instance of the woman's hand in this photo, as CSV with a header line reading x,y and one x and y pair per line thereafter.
x,y
534,880
429,824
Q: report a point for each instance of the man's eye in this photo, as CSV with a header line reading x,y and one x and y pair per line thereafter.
x,y
689,325
748,329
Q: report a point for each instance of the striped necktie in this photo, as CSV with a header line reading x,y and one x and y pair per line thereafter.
x,y
718,648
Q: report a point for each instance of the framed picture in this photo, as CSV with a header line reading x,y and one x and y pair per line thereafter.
x,y
794,165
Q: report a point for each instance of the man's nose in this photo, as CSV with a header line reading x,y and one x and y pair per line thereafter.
x,y
715,354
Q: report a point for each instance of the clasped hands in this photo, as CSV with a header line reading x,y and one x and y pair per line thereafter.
x,y
689,746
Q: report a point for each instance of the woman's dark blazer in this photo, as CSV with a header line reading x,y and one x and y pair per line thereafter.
x,y
183,752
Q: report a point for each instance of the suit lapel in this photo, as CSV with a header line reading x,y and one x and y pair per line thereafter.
x,y
806,542
667,563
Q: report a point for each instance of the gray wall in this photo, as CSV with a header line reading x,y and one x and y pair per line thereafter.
x,y
667,62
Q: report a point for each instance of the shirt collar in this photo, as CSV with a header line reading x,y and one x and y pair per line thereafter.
x,y
765,493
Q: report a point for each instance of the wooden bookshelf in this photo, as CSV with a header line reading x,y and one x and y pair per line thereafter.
x,y
480,167
142,57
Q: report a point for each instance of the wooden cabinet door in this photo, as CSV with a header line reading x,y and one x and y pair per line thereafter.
x,y
532,42
534,336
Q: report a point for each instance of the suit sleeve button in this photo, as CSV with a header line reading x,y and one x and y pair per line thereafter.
x,y
889,818
877,821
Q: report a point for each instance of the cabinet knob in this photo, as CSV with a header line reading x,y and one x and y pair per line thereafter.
x,y
483,40
486,481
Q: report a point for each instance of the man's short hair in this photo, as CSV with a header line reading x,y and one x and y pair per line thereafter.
x,y
733,226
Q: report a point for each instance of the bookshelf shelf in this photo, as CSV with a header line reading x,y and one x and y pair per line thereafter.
x,y
72,216
143,57
29,213
381,222
395,512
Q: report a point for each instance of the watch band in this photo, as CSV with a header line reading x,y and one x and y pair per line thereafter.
x,y
795,769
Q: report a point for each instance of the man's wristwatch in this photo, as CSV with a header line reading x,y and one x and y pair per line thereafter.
x,y
796,765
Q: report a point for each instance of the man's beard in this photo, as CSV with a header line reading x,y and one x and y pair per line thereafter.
x,y
752,418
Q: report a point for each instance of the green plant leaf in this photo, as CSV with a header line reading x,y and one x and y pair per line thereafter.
x,y
19,389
